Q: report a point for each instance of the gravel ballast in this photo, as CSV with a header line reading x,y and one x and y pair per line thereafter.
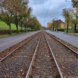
x,y
44,65
16,65
67,59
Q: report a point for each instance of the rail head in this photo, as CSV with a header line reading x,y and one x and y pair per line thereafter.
x,y
63,44
59,70
30,66
1,60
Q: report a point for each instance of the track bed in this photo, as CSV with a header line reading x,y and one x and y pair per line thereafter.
x,y
66,58
41,57
44,65
16,65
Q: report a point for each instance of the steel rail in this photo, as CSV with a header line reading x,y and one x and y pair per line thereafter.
x,y
30,66
63,44
31,37
59,70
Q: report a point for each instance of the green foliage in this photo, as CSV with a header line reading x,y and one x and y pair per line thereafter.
x,y
75,21
75,3
34,23
66,14
17,12
18,9
4,26
53,24
71,30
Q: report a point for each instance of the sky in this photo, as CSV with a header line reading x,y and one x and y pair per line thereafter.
x,y
47,10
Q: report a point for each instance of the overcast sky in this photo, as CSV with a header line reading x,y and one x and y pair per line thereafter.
x,y
46,10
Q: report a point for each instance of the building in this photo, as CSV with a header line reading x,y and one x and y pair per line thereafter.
x,y
59,25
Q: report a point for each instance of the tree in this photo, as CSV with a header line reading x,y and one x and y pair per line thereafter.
x,y
49,25
74,19
19,12
34,23
7,18
17,8
75,13
67,17
26,24
53,24
75,3
24,19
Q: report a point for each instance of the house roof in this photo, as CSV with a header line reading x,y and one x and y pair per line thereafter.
x,y
59,21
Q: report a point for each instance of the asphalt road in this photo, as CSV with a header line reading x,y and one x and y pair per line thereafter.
x,y
73,40
10,41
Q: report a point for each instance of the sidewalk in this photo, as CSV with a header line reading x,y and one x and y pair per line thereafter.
x,y
10,41
73,40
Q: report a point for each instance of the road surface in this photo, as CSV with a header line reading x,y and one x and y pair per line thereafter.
x,y
73,40
10,41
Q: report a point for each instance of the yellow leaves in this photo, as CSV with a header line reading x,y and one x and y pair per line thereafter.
x,y
49,25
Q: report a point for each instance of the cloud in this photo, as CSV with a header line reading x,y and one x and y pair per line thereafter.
x,y
37,2
46,10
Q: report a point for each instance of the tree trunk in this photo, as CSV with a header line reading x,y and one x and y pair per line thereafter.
x,y
75,28
21,27
53,27
17,27
9,29
67,26
16,22
25,28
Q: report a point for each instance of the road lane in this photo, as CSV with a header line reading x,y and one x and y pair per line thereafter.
x,y
73,40
10,41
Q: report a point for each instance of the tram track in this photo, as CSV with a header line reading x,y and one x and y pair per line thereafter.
x,y
19,45
43,64
66,58
16,65
41,57
63,43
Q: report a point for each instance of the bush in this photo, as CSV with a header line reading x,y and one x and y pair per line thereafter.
x,y
7,32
